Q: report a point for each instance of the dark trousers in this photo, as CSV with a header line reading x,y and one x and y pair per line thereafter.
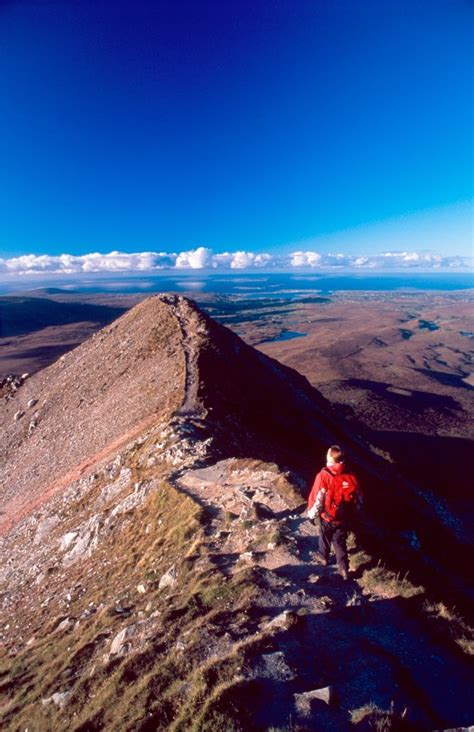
x,y
337,535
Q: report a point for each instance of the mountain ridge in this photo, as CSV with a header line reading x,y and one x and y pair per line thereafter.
x,y
165,359
170,585
173,385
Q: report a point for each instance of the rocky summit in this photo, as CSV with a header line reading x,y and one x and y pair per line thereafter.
x,y
157,567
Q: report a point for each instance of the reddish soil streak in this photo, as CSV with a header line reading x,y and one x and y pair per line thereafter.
x,y
79,471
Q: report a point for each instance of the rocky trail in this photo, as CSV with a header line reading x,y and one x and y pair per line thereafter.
x,y
320,650
339,641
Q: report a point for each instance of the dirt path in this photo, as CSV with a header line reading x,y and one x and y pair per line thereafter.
x,y
188,322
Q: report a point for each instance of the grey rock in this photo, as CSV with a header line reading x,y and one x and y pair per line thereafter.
x,y
247,556
248,513
119,646
66,624
87,542
303,701
44,528
135,499
59,698
68,539
113,489
31,403
169,579
274,666
18,415
283,621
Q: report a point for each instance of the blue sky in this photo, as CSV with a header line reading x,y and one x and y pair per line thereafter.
x,y
264,127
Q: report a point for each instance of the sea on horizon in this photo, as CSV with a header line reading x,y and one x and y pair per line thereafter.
x,y
247,284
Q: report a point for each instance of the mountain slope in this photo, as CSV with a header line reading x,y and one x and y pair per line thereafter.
x,y
156,572
87,402
160,358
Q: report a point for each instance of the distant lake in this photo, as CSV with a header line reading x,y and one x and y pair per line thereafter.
x,y
286,335
290,285
428,325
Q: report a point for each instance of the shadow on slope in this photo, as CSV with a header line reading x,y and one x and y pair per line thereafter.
x,y
414,400
376,651
258,408
21,315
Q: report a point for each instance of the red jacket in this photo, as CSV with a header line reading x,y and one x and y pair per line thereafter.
x,y
320,486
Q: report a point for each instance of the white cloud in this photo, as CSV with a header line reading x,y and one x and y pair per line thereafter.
x,y
305,259
199,258
242,260
204,258
392,260
93,262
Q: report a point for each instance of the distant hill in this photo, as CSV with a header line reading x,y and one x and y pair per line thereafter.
x,y
19,315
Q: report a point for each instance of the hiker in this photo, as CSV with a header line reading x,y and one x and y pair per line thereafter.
x,y
334,497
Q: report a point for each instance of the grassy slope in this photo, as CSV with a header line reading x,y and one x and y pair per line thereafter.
x,y
195,642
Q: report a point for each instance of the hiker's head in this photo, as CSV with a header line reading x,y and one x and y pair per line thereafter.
x,y
334,455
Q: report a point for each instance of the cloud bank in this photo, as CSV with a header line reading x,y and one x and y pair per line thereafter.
x,y
204,258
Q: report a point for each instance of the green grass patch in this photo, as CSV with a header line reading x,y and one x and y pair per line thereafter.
x,y
167,679
385,583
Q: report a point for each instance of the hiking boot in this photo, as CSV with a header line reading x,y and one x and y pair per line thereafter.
x,y
344,574
320,559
